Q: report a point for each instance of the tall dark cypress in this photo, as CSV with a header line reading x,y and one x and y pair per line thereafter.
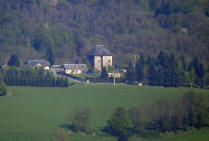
x,y
14,61
162,69
183,61
173,71
199,71
131,74
140,68
50,55
66,82
152,79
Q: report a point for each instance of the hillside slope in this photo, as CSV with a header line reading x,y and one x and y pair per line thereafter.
x,y
72,27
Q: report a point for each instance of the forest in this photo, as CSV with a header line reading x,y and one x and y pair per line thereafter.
x,y
168,71
72,27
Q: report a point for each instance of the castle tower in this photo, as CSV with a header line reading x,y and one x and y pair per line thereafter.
x,y
100,57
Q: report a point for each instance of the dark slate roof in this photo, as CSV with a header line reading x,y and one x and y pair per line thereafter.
x,y
38,61
99,50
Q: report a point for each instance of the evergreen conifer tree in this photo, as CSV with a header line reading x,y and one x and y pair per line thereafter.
x,y
14,61
104,73
140,68
131,74
152,79
50,56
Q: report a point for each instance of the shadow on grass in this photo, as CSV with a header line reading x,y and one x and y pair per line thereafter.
x,y
3,95
72,128
67,126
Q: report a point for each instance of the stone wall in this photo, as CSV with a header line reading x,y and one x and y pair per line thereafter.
x,y
97,63
107,61
100,62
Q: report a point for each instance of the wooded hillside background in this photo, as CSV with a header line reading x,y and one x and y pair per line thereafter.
x,y
126,27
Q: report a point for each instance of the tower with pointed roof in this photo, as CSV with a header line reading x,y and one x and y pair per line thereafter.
x,y
100,57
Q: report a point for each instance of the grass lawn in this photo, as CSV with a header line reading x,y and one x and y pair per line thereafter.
x,y
200,135
34,114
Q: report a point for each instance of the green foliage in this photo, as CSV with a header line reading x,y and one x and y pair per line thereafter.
x,y
152,74
61,38
80,121
131,74
3,89
1,71
47,109
28,76
110,69
167,115
167,70
14,61
42,40
136,115
196,109
50,56
79,44
147,26
104,73
206,80
172,115
207,11
196,68
167,7
119,125
140,68
190,78
154,4
10,28
162,116
164,71
71,27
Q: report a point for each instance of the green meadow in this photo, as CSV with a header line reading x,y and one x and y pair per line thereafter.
x,y
34,114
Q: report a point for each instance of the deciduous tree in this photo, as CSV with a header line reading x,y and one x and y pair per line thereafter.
x,y
119,125
80,120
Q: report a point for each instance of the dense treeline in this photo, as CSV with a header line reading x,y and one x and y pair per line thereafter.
x,y
172,115
169,71
191,110
71,27
28,76
162,116
3,90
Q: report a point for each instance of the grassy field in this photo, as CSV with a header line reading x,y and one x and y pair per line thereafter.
x,y
34,114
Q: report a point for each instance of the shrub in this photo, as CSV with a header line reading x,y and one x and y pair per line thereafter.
x,y
3,90
80,120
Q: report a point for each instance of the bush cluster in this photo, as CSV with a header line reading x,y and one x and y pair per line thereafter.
x,y
162,116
